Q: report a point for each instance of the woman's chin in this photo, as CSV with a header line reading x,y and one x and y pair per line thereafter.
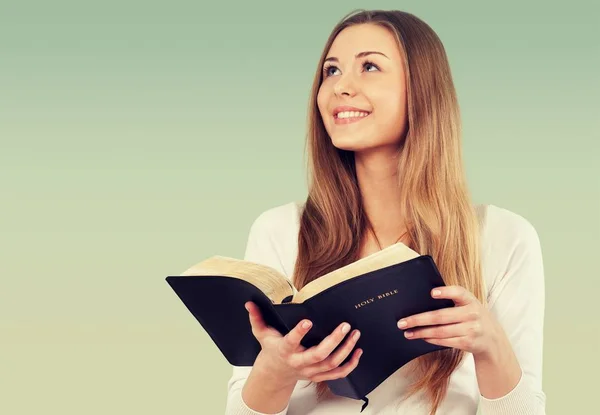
x,y
348,143
358,143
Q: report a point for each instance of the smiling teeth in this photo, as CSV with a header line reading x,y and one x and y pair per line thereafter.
x,y
351,114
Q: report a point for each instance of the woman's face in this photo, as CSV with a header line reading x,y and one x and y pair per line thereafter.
x,y
363,71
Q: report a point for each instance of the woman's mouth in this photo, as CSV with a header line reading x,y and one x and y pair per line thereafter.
x,y
348,117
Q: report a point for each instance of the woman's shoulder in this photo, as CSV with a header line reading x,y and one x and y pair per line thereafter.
x,y
277,228
502,227
279,218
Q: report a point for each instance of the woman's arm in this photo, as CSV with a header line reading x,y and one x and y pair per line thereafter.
x,y
506,337
251,392
265,394
517,301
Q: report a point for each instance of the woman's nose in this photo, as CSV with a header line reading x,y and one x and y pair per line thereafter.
x,y
345,85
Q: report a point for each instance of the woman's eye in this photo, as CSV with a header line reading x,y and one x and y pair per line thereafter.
x,y
327,70
370,64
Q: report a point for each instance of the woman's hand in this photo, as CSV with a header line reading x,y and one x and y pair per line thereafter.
x,y
286,360
468,326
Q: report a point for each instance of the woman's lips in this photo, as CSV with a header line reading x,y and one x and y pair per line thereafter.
x,y
349,120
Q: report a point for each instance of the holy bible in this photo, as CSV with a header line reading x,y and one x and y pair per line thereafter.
x,y
371,294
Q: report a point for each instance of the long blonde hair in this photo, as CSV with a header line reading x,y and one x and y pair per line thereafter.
x,y
441,218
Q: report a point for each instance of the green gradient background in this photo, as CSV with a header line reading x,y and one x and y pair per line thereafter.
x,y
138,139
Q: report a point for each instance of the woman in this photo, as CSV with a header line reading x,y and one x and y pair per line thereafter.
x,y
384,143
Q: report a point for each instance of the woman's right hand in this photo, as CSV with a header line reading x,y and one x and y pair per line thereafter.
x,y
284,358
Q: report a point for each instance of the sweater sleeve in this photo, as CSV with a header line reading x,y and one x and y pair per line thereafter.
x,y
259,249
517,301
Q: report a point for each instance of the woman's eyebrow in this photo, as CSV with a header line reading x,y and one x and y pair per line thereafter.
x,y
358,55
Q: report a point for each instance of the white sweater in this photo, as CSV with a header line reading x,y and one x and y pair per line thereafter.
x,y
514,281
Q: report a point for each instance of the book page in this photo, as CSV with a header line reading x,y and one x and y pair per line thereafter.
x,y
393,254
275,285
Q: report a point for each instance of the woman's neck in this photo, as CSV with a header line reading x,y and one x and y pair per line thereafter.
x,y
377,175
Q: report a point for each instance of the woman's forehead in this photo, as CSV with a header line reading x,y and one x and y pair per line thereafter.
x,y
365,37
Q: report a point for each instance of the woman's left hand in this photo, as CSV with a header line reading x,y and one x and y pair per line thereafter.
x,y
468,326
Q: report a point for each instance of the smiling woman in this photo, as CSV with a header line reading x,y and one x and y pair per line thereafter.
x,y
384,139
372,80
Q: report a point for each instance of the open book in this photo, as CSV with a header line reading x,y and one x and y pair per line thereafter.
x,y
371,294
278,287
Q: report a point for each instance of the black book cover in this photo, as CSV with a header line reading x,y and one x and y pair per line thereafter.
x,y
372,303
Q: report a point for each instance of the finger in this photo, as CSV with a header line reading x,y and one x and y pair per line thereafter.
x,y
446,315
321,351
256,321
440,332
336,358
456,293
341,371
291,341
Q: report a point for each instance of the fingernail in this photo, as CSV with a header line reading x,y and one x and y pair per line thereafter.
x,y
408,333
345,328
435,293
401,323
356,335
306,324
246,307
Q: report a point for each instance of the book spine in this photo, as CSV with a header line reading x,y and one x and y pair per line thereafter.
x,y
271,314
289,315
